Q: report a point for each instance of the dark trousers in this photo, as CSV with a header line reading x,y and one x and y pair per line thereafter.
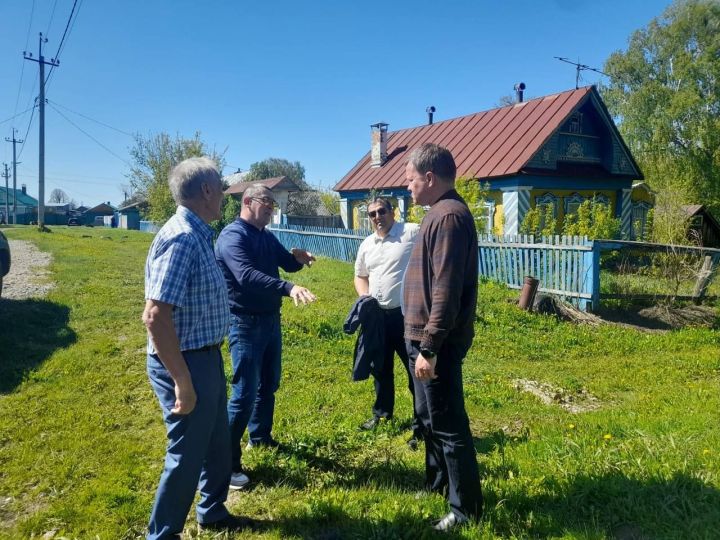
x,y
384,405
255,349
198,449
450,459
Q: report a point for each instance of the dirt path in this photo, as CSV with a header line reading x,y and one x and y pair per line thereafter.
x,y
28,276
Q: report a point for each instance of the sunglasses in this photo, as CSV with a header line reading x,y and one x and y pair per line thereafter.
x,y
266,201
378,212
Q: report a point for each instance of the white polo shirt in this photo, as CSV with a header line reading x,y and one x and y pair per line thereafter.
x,y
383,262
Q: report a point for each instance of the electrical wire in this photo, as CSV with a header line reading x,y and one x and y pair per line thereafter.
x,y
62,42
16,115
91,119
89,136
22,70
25,138
52,16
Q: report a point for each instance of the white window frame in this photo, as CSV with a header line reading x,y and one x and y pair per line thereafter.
x,y
644,208
574,199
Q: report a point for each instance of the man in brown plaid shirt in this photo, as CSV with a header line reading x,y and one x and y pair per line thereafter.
x,y
440,294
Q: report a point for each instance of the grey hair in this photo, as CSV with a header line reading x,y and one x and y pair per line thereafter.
x,y
434,158
188,176
255,190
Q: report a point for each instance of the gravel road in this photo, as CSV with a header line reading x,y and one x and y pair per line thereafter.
x,y
28,276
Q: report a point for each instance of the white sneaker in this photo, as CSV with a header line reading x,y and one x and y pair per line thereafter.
x,y
239,480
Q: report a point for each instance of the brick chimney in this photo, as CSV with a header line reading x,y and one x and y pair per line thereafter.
x,y
24,189
378,144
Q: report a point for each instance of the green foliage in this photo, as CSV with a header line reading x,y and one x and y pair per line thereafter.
x,y
472,191
539,221
82,439
475,195
594,220
665,92
331,201
274,167
153,158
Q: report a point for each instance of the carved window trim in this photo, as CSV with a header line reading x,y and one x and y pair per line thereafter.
x,y
575,200
639,219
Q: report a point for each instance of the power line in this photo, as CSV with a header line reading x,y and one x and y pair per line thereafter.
x,y
62,40
89,136
52,16
22,70
27,130
91,119
16,115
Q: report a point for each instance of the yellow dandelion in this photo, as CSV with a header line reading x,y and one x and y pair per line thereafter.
x,y
705,451
607,436
571,426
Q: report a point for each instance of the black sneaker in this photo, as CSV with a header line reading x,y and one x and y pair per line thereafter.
x,y
413,443
271,443
228,523
373,422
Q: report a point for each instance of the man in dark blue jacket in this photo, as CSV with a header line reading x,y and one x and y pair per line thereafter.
x,y
249,256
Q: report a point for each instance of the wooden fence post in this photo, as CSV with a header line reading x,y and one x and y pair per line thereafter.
x,y
706,272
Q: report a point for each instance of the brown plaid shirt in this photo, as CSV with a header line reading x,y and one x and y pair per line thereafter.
x,y
441,279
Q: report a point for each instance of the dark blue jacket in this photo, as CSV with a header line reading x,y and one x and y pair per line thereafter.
x,y
249,259
369,355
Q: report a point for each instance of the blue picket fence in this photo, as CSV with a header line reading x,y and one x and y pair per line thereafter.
x,y
340,244
566,266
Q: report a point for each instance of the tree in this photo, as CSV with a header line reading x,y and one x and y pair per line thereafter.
x,y
664,91
331,201
58,196
153,159
274,167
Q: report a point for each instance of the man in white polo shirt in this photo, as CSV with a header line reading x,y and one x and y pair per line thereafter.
x,y
379,271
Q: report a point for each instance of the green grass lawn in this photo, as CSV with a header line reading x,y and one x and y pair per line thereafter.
x,y
82,439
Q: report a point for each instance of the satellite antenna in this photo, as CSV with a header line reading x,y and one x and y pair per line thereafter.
x,y
578,68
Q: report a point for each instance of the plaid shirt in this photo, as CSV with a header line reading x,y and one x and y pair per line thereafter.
x,y
181,270
441,280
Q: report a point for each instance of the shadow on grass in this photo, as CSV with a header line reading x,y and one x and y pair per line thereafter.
x,y
612,506
328,521
30,331
299,465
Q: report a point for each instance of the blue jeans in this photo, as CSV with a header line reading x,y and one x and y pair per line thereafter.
x,y
255,348
198,449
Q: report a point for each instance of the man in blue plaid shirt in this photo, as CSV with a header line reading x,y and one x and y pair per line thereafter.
x,y
187,317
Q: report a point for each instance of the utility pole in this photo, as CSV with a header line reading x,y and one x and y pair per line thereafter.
x,y
41,145
14,141
7,208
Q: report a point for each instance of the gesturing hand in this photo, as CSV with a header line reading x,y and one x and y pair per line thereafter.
x,y
302,256
301,294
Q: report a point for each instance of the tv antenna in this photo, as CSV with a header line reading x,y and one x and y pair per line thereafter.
x,y
578,68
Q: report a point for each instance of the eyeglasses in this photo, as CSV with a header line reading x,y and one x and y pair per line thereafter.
x,y
378,212
267,201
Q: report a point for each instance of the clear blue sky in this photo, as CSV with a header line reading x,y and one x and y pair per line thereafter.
x,y
289,79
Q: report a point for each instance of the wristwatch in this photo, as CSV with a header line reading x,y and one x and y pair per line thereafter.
x,y
427,353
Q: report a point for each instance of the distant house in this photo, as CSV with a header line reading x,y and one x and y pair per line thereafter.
x,y
703,226
551,152
26,205
282,187
101,210
130,215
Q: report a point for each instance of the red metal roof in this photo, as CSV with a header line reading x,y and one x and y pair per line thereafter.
x,y
488,144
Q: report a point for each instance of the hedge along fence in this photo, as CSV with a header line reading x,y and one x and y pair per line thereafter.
x,y
566,266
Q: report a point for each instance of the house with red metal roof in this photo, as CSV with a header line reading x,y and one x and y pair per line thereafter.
x,y
282,187
555,151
